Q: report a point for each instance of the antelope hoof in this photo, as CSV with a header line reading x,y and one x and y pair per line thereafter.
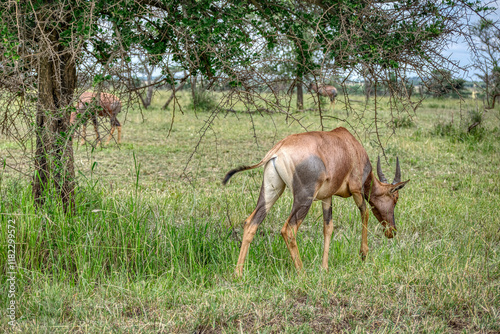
x,y
363,254
238,272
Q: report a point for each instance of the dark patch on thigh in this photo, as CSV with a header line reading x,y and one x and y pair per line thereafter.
x,y
307,174
366,172
260,210
306,177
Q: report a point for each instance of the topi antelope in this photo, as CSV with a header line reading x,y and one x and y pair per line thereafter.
x,y
316,166
110,107
324,90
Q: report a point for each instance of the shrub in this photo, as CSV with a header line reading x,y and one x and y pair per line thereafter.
x,y
471,129
443,129
403,121
203,100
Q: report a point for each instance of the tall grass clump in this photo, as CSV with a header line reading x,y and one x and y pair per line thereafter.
x,y
108,235
203,100
443,129
469,130
404,122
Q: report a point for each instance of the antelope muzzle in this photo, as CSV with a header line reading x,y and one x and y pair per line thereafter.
x,y
390,232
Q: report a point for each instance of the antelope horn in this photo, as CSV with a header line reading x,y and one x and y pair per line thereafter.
x,y
381,176
397,178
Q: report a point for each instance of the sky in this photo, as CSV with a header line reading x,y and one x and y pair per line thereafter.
x,y
459,51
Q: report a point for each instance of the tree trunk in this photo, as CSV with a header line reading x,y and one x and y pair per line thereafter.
x,y
54,168
174,90
193,90
146,102
368,89
149,96
300,95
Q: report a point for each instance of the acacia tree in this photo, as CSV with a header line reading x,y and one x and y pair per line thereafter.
x,y
50,46
39,65
44,43
443,83
486,60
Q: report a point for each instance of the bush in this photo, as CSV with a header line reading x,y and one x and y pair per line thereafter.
x,y
475,116
471,130
443,129
403,121
203,100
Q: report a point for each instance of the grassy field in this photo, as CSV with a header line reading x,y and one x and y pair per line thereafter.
x,y
155,237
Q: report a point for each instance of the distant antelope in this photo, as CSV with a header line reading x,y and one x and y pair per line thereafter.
x,y
316,166
110,106
324,90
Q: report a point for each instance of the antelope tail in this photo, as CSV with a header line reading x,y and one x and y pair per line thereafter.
x,y
268,157
238,169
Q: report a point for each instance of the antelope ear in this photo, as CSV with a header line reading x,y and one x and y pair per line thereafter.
x,y
398,186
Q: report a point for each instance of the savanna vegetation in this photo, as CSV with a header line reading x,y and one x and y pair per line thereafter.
x,y
154,237
142,236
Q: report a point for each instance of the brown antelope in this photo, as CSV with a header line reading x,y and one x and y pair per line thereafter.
x,y
110,107
316,166
324,90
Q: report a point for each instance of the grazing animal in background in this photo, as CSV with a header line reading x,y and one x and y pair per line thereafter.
x,y
324,90
110,106
315,166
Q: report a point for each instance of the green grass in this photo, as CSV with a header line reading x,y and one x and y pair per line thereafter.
x,y
155,237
